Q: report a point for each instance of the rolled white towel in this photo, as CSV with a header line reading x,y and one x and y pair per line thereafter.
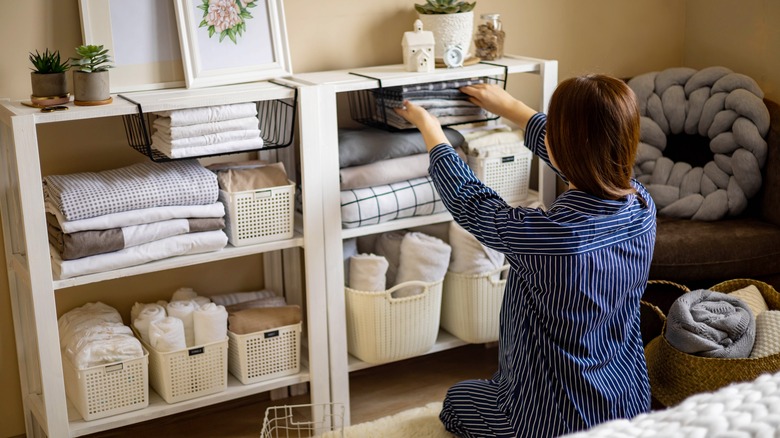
x,y
210,323
423,258
367,272
389,245
201,301
183,310
184,294
469,256
150,312
167,335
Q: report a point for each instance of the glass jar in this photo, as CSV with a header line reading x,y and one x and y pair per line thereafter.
x,y
489,39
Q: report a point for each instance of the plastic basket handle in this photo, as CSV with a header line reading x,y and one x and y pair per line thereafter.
x,y
493,281
411,283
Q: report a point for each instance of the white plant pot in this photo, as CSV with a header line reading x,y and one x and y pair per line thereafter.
x,y
450,29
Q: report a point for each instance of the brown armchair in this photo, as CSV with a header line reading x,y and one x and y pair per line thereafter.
x,y
699,254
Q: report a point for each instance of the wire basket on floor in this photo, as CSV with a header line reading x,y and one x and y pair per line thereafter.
x,y
294,421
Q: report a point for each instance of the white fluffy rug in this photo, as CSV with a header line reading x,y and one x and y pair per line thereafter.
x,y
418,422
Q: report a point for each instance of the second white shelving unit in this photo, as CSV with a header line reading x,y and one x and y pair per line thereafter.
x,y
320,97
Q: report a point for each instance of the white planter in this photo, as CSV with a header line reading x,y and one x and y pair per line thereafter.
x,y
450,29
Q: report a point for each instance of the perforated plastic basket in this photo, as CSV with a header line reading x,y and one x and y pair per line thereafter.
x,y
382,329
508,175
471,305
189,373
106,390
257,216
255,357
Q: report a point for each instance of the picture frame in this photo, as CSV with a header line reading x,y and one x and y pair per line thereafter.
x,y
232,41
142,40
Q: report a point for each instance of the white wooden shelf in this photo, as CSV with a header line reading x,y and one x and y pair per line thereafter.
x,y
444,341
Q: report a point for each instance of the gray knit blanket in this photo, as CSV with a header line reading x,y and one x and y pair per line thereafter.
x,y
711,324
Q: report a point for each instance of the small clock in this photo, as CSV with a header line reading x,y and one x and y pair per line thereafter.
x,y
454,56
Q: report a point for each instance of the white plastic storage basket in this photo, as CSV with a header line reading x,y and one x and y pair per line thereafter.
x,y
508,175
255,357
471,305
257,216
189,373
106,390
383,329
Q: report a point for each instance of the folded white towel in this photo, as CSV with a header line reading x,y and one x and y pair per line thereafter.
x,y
495,144
210,324
216,113
228,299
167,335
469,256
177,132
105,349
367,272
183,310
204,140
75,320
388,245
149,312
423,258
84,337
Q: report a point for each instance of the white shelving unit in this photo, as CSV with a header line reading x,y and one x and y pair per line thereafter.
x,y
34,289
322,92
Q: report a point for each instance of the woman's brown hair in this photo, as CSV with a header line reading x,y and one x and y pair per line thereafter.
x,y
593,133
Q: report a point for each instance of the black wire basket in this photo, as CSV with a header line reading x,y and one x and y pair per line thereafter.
x,y
374,107
276,124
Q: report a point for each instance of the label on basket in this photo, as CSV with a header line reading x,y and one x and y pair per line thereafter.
x,y
115,367
262,194
508,159
272,334
195,351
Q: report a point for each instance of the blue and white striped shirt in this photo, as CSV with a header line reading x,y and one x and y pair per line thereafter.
x,y
570,347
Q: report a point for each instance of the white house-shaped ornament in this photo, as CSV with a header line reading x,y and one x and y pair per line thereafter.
x,y
418,49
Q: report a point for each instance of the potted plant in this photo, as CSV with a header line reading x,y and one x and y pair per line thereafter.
x,y
49,84
451,21
90,77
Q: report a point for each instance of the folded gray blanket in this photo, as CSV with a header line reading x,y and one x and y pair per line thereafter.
x,y
711,324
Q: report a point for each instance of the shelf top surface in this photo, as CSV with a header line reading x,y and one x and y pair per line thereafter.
x,y
394,75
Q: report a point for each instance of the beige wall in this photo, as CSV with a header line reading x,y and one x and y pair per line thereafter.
x,y
610,36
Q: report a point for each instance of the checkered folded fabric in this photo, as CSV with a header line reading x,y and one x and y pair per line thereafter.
x,y
378,204
141,185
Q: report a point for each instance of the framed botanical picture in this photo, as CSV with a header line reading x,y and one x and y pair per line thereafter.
x,y
142,40
232,41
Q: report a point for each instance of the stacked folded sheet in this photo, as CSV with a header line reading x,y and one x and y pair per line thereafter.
x,y
209,130
257,311
442,99
384,176
100,221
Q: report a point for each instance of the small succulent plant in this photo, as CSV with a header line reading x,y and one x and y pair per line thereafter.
x,y
92,58
48,62
444,6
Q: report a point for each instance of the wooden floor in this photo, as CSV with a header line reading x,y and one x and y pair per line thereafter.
x,y
375,392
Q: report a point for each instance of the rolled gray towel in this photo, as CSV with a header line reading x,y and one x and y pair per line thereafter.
x,y
711,324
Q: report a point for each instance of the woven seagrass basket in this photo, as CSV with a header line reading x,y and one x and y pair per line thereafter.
x,y
656,300
675,375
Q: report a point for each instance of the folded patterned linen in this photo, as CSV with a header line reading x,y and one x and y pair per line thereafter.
x,y
711,324
423,258
493,144
404,91
273,301
262,319
142,185
767,334
399,122
183,244
206,114
211,149
260,177
177,132
378,204
368,145
228,299
387,171
86,243
136,217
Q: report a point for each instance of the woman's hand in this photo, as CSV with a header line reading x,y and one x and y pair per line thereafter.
x,y
498,101
429,126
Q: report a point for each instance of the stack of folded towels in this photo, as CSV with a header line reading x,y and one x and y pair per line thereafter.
x,y
732,325
399,257
99,221
257,311
187,320
492,141
442,99
209,130
384,175
94,335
